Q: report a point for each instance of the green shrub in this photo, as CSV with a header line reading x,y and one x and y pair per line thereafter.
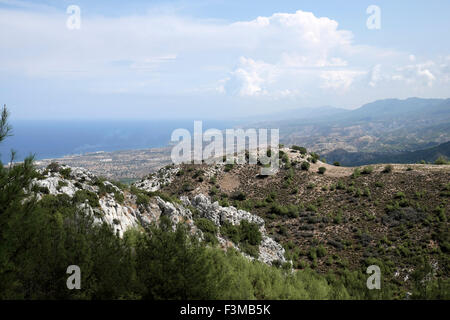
x,y
367,170
231,232
340,185
321,251
82,195
208,228
271,197
213,191
441,160
302,150
249,232
400,195
246,235
228,167
53,167
278,209
337,219
119,197
322,170
65,172
142,199
312,254
305,165
379,184
224,202
187,187
40,189
336,163
388,168
180,173
249,249
239,196
356,173
314,157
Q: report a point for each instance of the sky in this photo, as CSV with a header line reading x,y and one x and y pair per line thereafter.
x,y
216,59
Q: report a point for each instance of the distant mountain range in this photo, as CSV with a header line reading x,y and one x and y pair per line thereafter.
x,y
361,158
384,126
301,113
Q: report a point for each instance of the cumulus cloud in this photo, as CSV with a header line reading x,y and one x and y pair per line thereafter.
x,y
339,80
419,74
251,77
376,75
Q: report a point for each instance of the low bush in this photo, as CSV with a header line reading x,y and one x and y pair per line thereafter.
x,y
81,196
305,165
322,170
302,150
208,228
228,167
239,196
356,173
441,160
367,170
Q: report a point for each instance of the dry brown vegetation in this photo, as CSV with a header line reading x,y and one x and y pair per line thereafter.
x,y
397,216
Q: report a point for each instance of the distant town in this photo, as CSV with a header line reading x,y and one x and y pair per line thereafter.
x,y
124,165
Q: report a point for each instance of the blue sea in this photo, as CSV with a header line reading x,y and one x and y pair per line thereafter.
x,y
57,138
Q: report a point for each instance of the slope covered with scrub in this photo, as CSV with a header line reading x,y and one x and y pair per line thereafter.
x,y
336,219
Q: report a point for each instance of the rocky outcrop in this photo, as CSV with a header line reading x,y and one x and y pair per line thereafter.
x,y
269,249
177,213
127,214
155,181
218,214
120,217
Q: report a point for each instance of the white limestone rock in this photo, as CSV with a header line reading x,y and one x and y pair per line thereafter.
x,y
269,249
120,217
156,180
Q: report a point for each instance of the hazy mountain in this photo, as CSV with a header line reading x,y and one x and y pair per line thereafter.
x,y
301,113
382,126
360,158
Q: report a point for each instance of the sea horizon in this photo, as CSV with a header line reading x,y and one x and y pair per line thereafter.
x,y
52,139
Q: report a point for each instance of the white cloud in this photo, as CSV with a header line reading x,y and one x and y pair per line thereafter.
x,y
339,79
281,56
251,77
376,75
419,74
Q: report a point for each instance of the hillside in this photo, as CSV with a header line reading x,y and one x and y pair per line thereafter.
x,y
306,235
345,219
125,209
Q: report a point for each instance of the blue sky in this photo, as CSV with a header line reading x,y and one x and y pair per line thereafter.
x,y
216,59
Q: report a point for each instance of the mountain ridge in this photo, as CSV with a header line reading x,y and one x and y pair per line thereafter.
x,y
363,158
